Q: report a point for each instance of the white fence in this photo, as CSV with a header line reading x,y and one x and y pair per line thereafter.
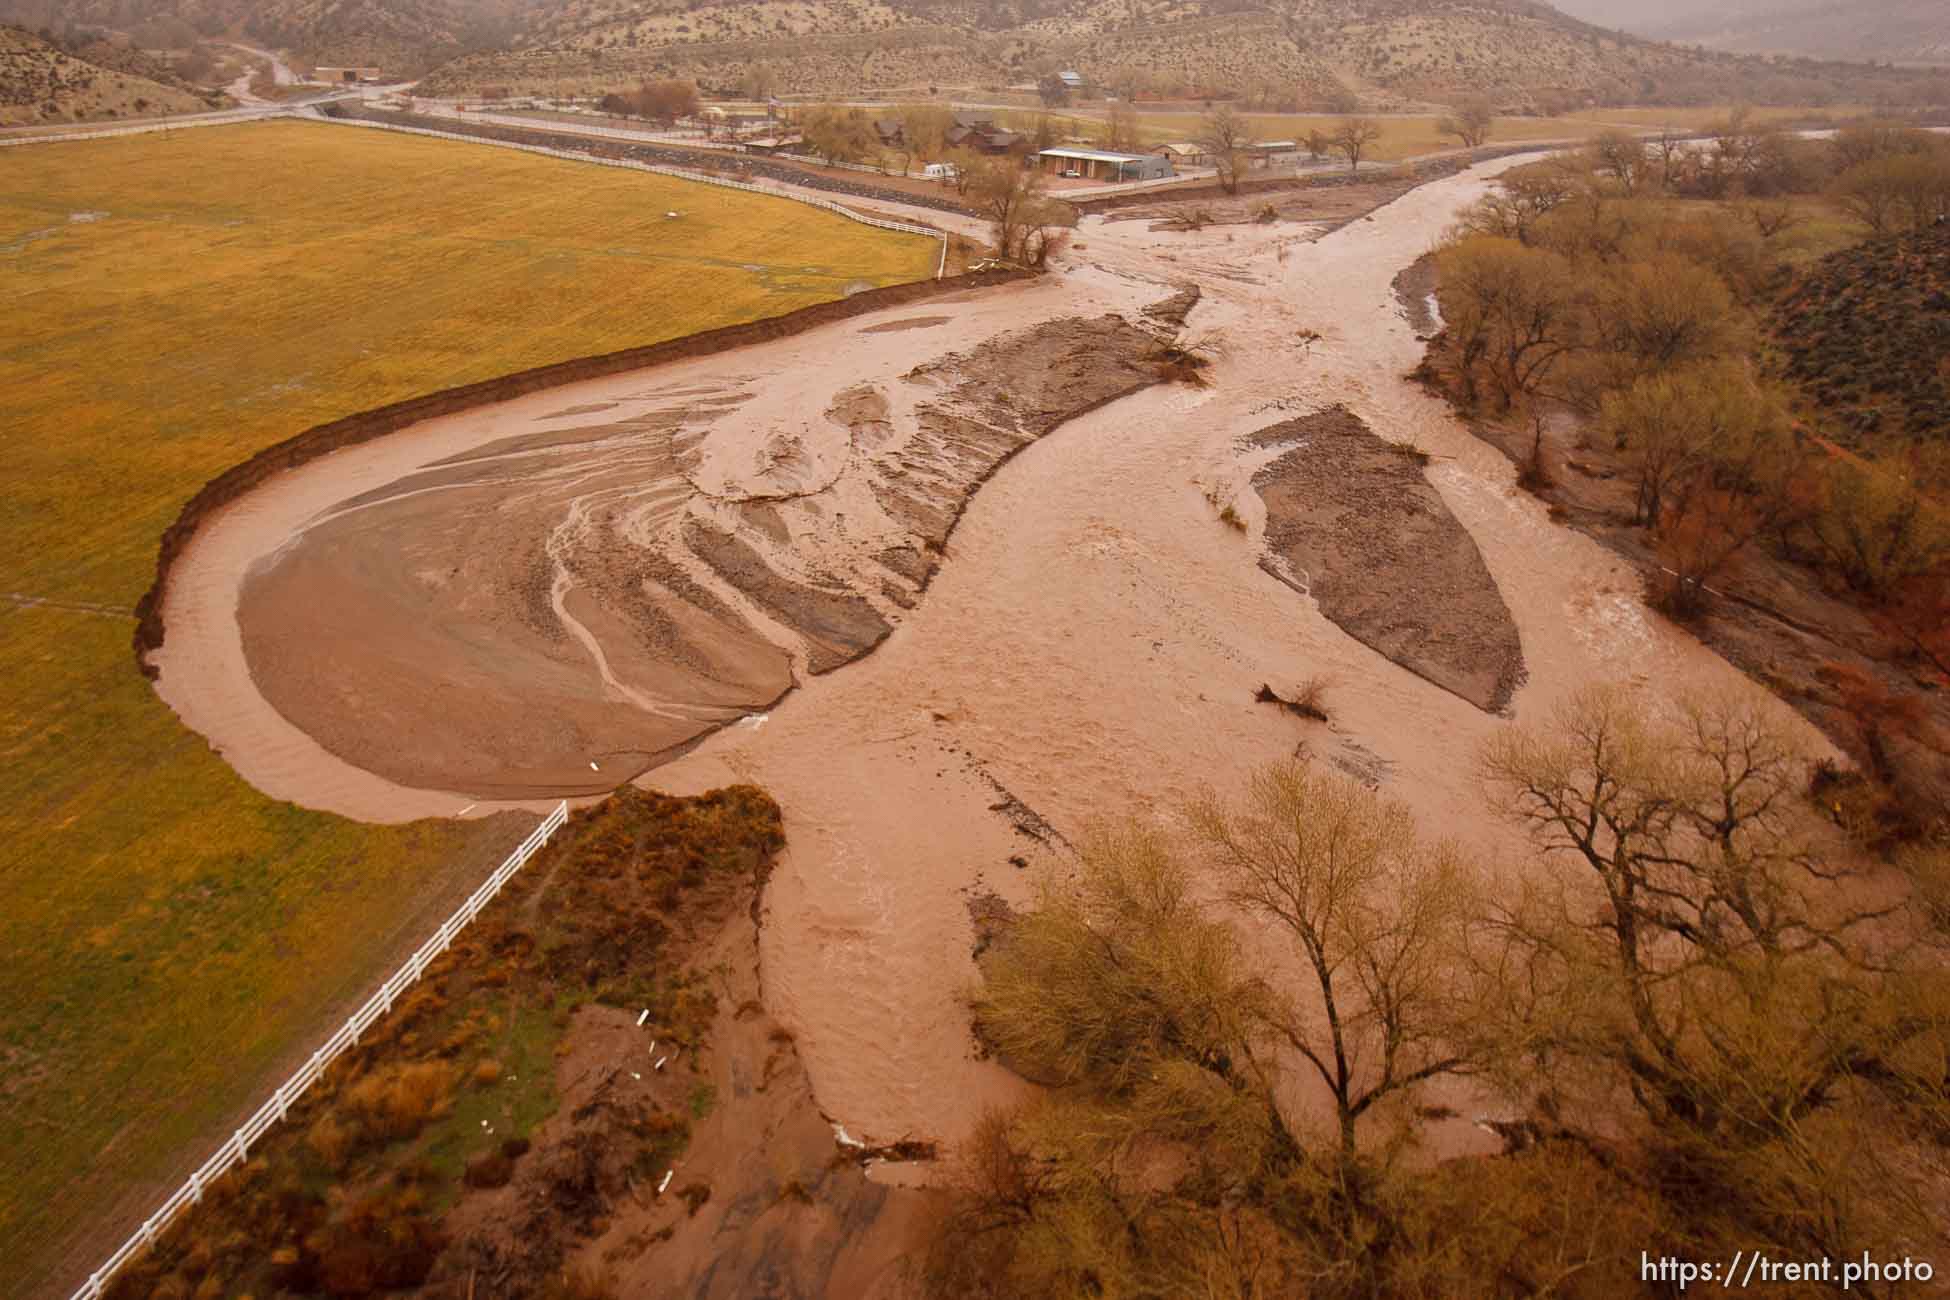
x,y
682,173
233,1152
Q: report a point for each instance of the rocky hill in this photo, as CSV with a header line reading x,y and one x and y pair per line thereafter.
x,y
42,83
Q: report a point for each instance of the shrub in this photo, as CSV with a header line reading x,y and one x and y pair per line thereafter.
x,y
395,1104
331,1141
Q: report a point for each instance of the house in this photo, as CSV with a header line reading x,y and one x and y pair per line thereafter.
x,y
892,134
1185,154
978,132
1073,82
1102,165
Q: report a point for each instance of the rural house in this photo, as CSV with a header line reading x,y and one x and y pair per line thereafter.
x,y
1102,165
978,131
1185,154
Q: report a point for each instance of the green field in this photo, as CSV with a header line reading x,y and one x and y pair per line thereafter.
x,y
170,934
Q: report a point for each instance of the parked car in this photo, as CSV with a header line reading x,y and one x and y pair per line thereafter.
x,y
1072,174
938,172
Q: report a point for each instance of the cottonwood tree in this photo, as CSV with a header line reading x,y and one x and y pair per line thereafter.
x,y
667,101
1471,121
1699,958
1878,529
924,131
1122,984
1646,313
1121,129
1226,136
1519,202
1024,222
1621,156
1163,1160
1715,469
1352,138
838,133
1375,916
1513,311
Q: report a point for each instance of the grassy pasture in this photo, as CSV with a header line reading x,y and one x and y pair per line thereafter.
x,y
170,934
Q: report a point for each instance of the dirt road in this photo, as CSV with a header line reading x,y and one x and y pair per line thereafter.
x,y
1089,644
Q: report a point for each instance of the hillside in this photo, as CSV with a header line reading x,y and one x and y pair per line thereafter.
x,y
1292,54
39,83
1865,333
404,36
1299,54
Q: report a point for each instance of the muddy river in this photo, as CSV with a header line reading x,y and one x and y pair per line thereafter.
x,y
996,623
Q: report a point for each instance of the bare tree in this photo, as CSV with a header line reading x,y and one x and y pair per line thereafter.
x,y
1684,953
1471,121
1620,155
1375,915
1226,136
1352,138
924,130
1024,221
1121,130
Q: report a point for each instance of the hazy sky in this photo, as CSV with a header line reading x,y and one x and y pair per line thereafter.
x,y
1647,15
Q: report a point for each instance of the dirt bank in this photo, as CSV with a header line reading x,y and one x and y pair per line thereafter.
x,y
1351,522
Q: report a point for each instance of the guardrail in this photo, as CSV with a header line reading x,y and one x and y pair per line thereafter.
x,y
682,173
233,1152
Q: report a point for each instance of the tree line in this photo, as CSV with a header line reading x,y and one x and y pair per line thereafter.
x,y
1586,284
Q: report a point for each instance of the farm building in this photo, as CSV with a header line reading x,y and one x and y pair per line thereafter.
x,y
1185,154
1073,81
1101,165
1275,153
345,74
